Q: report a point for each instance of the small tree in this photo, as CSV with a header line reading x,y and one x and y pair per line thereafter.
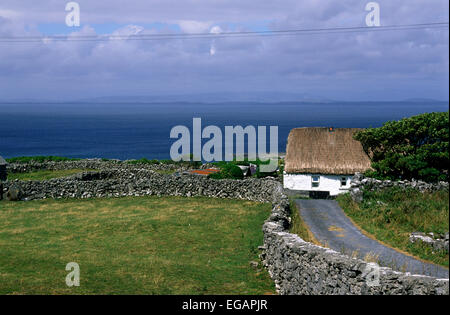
x,y
415,147
228,170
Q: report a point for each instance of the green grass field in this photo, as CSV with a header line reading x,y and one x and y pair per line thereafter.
x,y
44,174
133,245
391,215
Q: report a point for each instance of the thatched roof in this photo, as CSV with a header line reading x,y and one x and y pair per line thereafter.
x,y
321,151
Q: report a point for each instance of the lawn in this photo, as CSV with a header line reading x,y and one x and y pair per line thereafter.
x,y
391,215
133,245
44,174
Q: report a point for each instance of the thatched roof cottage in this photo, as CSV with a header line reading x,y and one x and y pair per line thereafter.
x,y
323,160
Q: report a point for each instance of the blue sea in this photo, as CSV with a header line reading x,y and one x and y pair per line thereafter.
x,y
137,130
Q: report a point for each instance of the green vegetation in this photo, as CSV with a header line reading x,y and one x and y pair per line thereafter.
x,y
44,174
245,162
415,147
391,215
228,170
133,245
40,159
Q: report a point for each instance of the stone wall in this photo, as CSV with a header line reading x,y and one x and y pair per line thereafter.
x,y
141,182
437,242
359,183
299,267
93,164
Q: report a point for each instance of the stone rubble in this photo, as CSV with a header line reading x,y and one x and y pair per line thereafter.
x,y
436,242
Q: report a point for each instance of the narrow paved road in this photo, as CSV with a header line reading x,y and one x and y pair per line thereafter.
x,y
332,228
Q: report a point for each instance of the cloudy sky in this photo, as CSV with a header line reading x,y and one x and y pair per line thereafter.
x,y
347,66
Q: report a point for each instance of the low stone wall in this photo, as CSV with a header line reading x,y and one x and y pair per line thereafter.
x,y
359,183
434,241
94,164
142,182
299,267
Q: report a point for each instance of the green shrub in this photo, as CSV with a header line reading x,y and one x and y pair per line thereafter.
x,y
244,162
228,170
415,147
247,162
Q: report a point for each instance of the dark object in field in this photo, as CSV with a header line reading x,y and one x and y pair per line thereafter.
x,y
14,193
3,174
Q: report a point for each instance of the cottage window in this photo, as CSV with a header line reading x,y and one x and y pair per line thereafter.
x,y
343,181
315,180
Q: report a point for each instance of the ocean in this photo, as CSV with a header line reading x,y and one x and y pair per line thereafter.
x,y
137,130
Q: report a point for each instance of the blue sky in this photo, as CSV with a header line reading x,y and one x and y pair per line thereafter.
x,y
350,66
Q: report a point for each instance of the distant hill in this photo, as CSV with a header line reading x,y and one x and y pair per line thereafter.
x,y
260,97
423,100
210,98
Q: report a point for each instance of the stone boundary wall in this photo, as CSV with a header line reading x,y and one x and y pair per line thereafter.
x,y
94,164
141,182
359,183
296,266
437,242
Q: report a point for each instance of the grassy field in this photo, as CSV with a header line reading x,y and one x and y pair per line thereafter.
x,y
133,245
391,215
44,174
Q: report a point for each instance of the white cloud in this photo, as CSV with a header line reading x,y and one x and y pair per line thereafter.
x,y
212,50
193,26
214,30
10,14
129,30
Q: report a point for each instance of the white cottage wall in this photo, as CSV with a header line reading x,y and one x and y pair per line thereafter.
x,y
331,183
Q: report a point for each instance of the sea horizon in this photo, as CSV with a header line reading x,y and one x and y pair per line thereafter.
x,y
133,130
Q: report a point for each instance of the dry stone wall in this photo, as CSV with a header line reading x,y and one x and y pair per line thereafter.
x,y
360,183
93,164
141,182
